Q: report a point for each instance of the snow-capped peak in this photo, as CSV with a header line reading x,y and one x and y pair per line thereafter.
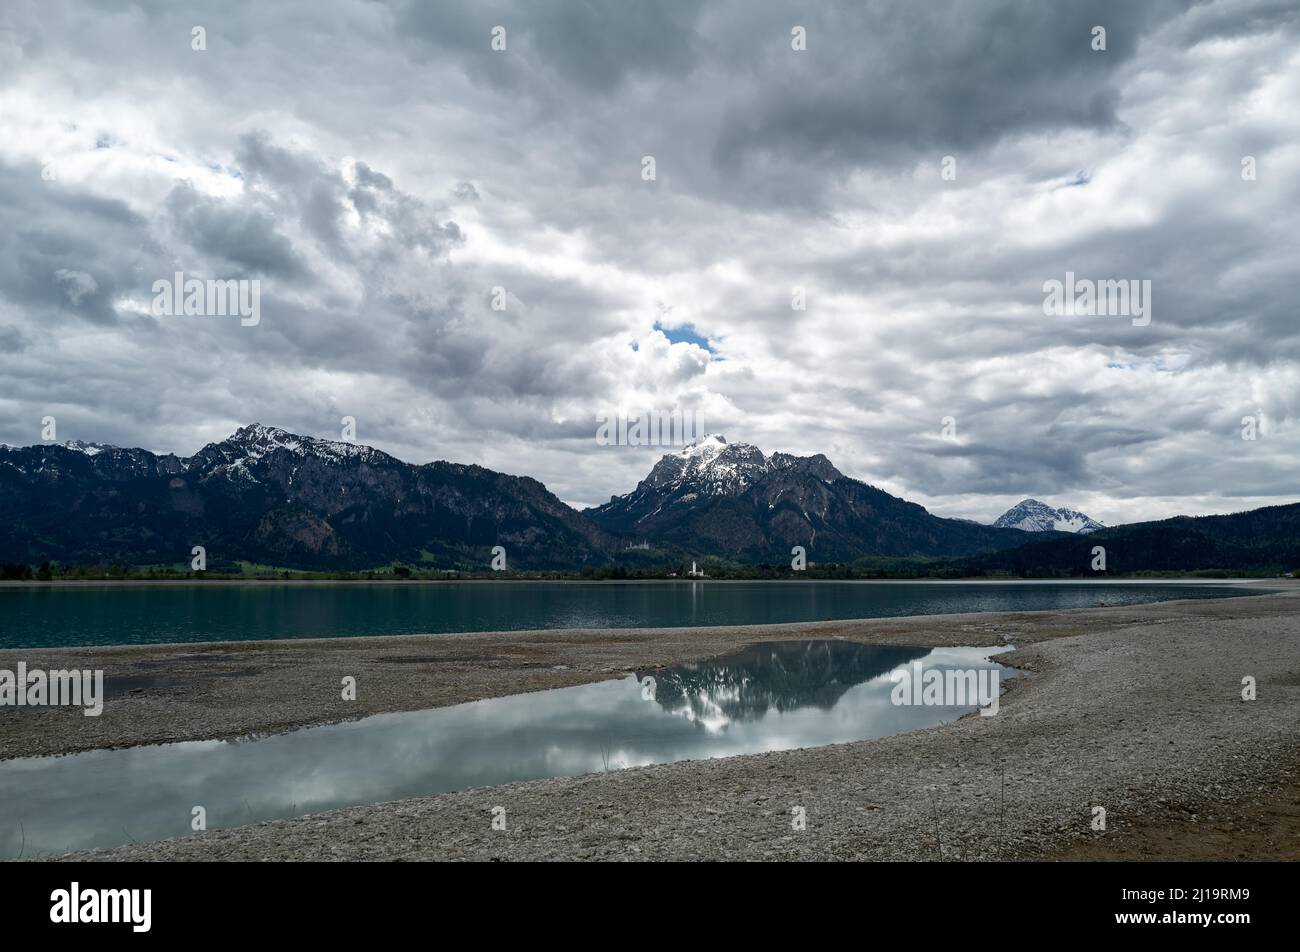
x,y
712,450
1031,515
256,441
713,467
706,447
266,437
710,465
90,449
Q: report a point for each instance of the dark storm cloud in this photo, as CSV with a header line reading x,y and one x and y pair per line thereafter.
x,y
888,82
63,250
246,237
595,46
12,340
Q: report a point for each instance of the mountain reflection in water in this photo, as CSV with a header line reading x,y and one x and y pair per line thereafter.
x,y
780,675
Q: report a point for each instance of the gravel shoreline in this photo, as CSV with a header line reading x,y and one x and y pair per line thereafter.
x,y
215,690
1136,709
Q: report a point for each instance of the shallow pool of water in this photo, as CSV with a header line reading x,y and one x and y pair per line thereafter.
x,y
774,696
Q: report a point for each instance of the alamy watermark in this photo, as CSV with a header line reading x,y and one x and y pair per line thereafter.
x,y
651,428
76,905
1084,297
194,297
38,688
953,687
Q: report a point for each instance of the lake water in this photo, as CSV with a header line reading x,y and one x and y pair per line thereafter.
x,y
774,696
151,614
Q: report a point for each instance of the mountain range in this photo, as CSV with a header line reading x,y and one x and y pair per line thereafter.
x,y
272,498
720,498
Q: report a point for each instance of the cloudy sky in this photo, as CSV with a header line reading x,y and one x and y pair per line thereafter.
x,y
380,168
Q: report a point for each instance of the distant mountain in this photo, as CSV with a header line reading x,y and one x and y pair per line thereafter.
x,y
1263,541
268,496
1030,515
729,499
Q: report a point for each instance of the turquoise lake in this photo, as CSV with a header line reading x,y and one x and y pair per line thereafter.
x,y
123,614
